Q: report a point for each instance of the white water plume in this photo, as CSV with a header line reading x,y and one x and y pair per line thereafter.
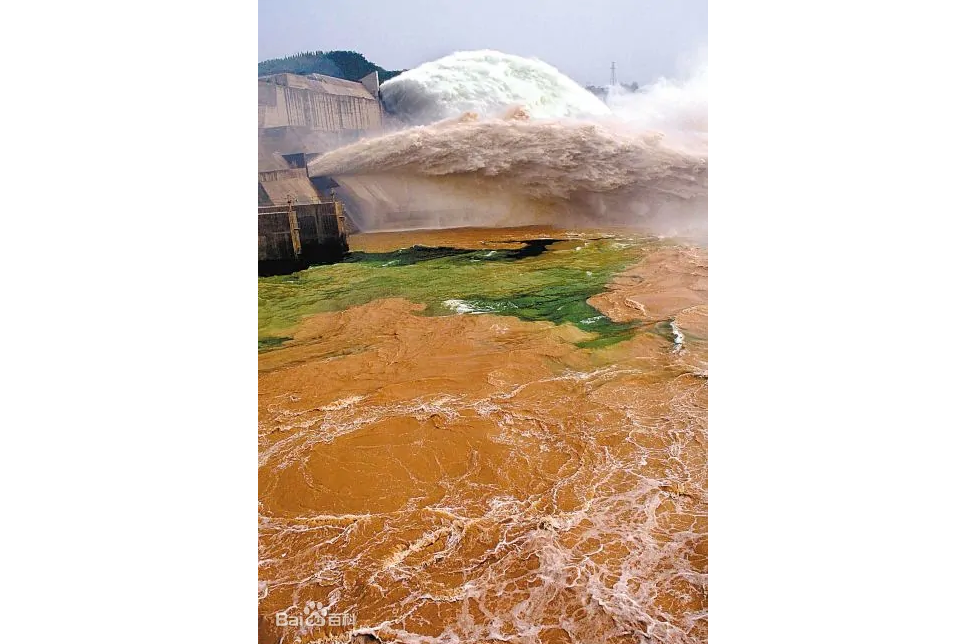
x,y
536,149
486,83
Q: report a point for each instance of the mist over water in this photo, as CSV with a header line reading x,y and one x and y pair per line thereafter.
x,y
512,130
677,108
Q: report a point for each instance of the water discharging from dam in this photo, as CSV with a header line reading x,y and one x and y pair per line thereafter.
x,y
496,434
519,143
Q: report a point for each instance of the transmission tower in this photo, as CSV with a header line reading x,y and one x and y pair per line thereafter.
x,y
613,74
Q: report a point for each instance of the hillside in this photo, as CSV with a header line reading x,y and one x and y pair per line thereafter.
x,y
349,65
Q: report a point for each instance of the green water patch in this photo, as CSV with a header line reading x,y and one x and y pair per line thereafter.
x,y
405,256
545,279
560,303
417,253
271,342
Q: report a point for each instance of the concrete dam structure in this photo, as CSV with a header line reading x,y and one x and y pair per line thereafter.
x,y
314,114
301,118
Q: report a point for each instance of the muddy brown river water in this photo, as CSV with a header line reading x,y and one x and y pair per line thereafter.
x,y
486,436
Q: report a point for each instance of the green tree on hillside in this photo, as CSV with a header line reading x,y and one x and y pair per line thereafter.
x,y
349,65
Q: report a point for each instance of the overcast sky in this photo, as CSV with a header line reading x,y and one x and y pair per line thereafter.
x,y
646,38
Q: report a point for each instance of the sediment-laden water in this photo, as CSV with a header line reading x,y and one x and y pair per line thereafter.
x,y
499,140
486,435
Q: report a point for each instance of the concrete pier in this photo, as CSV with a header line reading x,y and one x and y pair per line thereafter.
x,y
295,236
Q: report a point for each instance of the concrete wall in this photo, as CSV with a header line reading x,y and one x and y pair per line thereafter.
x,y
302,139
276,187
371,83
275,238
322,238
299,114
269,160
281,106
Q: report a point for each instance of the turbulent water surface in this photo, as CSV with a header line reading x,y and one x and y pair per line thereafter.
x,y
496,434
470,436
523,144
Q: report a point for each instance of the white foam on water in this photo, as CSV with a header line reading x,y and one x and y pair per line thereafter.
x,y
460,306
599,567
678,336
